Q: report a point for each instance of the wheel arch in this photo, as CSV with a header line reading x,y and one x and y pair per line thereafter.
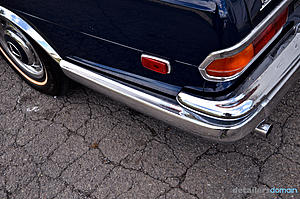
x,y
30,32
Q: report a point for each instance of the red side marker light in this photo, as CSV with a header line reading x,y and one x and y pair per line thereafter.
x,y
156,64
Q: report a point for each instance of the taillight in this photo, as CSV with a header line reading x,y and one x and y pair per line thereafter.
x,y
233,65
270,31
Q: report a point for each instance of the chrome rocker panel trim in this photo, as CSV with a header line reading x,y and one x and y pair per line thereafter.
x,y
24,26
241,45
233,120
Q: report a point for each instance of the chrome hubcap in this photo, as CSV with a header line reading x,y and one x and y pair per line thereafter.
x,y
14,50
20,50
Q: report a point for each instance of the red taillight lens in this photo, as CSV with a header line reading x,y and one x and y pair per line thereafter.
x,y
230,66
264,38
270,31
157,65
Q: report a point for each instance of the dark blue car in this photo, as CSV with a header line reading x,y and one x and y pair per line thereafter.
x,y
215,68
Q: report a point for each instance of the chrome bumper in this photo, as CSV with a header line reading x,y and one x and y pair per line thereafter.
x,y
227,120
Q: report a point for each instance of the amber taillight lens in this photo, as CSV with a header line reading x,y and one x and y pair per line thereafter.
x,y
230,66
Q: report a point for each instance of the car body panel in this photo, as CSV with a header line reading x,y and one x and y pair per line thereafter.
x,y
115,33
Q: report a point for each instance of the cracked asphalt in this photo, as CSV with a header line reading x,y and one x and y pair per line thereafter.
x,y
85,145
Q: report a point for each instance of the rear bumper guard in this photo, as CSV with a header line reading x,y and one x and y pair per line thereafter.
x,y
225,121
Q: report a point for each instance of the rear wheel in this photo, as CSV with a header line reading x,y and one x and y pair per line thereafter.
x,y
30,61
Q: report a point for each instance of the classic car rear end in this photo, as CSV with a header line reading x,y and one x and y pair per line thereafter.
x,y
214,68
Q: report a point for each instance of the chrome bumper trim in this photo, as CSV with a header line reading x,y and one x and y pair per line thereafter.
x,y
224,121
